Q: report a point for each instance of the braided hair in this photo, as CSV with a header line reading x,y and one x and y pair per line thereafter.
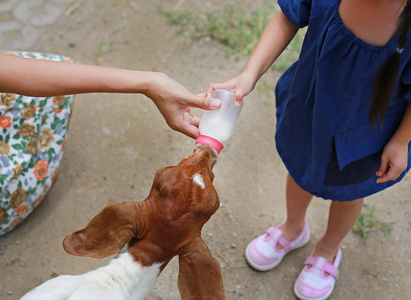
x,y
388,72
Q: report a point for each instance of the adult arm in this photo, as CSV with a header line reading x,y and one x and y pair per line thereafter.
x,y
41,78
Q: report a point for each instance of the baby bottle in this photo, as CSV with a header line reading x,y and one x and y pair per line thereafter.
x,y
216,126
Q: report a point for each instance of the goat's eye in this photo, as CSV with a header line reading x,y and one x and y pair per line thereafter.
x,y
166,182
166,190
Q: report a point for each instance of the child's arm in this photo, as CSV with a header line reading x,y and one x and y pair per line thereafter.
x,y
394,158
276,36
40,78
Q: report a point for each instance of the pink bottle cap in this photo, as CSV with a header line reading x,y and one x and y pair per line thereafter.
x,y
207,140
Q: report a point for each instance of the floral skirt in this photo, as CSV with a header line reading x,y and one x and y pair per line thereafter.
x,y
33,132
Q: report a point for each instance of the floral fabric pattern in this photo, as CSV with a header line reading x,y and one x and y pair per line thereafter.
x,y
33,131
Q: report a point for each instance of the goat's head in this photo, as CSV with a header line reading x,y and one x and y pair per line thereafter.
x,y
167,223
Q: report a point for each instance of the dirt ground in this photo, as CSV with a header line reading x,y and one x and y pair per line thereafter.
x,y
117,143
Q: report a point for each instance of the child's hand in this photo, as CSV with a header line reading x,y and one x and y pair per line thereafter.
x,y
394,161
241,85
174,101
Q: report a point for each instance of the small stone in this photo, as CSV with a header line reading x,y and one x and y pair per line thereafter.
x,y
233,245
18,242
22,264
106,130
9,293
72,45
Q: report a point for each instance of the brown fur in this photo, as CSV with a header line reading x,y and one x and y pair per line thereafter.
x,y
166,224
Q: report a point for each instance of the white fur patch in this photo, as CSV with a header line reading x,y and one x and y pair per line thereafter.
x,y
198,180
122,279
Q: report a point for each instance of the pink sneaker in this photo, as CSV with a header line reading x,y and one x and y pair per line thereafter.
x,y
262,253
313,283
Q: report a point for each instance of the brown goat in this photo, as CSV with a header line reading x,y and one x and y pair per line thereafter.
x,y
168,223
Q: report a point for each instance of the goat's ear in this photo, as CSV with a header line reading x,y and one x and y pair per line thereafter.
x,y
199,274
107,232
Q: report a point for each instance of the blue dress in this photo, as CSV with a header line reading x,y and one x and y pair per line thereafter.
x,y
323,101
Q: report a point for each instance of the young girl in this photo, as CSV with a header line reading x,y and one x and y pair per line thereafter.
x,y
343,121
33,127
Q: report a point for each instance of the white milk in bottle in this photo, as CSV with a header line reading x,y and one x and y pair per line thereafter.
x,y
216,126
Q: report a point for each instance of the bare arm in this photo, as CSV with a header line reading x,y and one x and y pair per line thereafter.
x,y
40,78
275,38
403,133
394,159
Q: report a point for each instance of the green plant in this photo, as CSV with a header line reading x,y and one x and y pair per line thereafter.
x,y
368,222
104,48
235,28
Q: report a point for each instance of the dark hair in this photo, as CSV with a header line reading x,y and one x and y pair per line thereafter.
x,y
388,72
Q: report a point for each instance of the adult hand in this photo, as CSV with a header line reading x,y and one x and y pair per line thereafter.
x,y
394,161
174,101
240,85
